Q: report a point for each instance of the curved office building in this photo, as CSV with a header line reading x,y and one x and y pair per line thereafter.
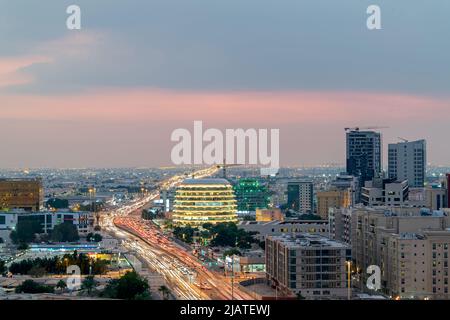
x,y
199,201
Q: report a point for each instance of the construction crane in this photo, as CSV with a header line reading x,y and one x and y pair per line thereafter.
x,y
365,128
224,167
403,139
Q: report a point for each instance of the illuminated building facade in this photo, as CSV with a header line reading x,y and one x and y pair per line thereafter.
x,y
26,194
266,215
332,199
251,195
200,201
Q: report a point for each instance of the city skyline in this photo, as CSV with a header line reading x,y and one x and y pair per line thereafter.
x,y
110,94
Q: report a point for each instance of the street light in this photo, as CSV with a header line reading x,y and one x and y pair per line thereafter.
x,y
349,279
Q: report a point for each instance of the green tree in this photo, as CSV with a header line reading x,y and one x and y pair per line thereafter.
x,y
165,292
22,246
65,232
94,237
62,285
37,271
57,203
130,286
25,231
3,268
185,234
232,252
229,235
30,286
88,284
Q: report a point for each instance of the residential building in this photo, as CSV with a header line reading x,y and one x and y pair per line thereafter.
x,y
300,196
310,265
348,182
435,198
385,192
332,199
378,237
341,224
290,227
416,264
407,161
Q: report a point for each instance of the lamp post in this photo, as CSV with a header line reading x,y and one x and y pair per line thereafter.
x,y
349,279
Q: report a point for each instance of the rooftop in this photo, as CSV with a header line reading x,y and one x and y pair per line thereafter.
x,y
308,240
205,181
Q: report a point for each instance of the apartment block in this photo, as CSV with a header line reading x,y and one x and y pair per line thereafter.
x,y
310,265
378,239
407,161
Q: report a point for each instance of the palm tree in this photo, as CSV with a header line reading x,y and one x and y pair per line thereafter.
x,y
61,285
88,284
164,291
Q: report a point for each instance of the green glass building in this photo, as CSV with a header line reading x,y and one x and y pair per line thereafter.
x,y
251,194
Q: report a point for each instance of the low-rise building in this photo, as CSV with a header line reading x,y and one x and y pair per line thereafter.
x,y
265,215
84,221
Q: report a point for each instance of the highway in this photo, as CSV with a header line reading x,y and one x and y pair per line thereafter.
x,y
187,278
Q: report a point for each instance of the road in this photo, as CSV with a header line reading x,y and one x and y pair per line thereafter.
x,y
185,275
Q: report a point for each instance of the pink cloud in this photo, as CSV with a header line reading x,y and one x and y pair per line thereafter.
x,y
226,108
11,69
111,125
73,45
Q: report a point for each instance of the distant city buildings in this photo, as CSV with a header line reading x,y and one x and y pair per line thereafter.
x,y
26,194
200,201
407,161
300,196
447,186
309,265
364,154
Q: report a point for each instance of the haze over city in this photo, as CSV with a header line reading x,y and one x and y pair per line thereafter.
x,y
110,94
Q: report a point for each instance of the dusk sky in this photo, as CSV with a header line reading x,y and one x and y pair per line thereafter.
x,y
110,94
